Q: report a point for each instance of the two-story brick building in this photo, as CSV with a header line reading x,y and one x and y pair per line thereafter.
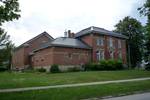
x,y
89,45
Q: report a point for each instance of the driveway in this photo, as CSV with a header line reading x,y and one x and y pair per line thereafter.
x,y
143,96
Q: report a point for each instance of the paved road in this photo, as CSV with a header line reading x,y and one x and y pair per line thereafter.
x,y
71,85
143,96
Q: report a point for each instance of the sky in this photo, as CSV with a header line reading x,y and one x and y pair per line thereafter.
x,y
56,16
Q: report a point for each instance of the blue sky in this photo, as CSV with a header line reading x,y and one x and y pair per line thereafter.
x,y
56,16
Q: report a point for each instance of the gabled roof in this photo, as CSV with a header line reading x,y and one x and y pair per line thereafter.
x,y
98,30
36,37
65,42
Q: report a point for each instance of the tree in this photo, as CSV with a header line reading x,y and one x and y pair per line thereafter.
x,y
145,10
6,55
134,30
9,11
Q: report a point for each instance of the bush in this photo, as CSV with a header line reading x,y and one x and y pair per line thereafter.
x,y
54,68
91,66
147,67
3,69
74,69
41,70
119,65
105,65
112,64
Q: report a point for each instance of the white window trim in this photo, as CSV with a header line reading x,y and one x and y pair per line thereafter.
x,y
100,55
119,43
110,42
120,55
100,41
111,54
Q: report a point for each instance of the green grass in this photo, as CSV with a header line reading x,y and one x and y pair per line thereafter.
x,y
16,80
76,93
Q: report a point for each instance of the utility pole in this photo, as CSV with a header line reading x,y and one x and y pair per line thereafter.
x,y
129,53
129,57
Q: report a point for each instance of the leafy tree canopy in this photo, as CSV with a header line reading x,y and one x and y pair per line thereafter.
x,y
9,11
145,10
134,30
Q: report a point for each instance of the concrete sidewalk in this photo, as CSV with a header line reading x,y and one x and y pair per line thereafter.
x,y
71,85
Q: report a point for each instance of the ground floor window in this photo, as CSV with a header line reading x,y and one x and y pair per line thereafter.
x,y
111,54
100,55
120,55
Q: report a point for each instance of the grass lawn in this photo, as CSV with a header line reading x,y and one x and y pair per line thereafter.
x,y
76,93
16,80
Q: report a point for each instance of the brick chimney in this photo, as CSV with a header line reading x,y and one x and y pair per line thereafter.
x,y
70,34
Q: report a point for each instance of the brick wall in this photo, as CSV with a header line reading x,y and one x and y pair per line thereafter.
x,y
20,58
34,45
91,40
61,56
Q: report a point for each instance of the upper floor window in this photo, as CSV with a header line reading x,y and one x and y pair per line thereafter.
x,y
119,43
100,41
100,55
110,42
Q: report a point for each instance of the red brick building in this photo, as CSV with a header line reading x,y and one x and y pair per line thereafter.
x,y
89,45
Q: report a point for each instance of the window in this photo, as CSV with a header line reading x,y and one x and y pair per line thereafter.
x,y
119,43
100,41
110,42
100,55
111,54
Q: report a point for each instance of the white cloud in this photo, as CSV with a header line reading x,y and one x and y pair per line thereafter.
x,y
54,16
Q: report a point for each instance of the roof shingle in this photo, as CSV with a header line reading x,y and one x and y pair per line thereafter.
x,y
98,30
65,42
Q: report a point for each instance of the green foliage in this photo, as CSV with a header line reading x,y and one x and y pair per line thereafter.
x,y
41,70
9,10
148,67
145,10
2,69
74,69
6,55
111,64
105,65
134,30
54,68
91,66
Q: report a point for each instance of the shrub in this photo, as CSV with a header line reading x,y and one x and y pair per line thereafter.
x,y
3,69
105,65
54,68
111,64
41,70
119,65
88,66
91,66
147,67
74,69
